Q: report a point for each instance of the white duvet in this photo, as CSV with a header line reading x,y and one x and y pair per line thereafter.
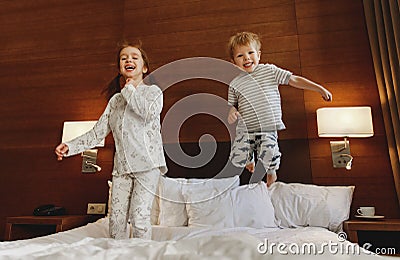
x,y
92,242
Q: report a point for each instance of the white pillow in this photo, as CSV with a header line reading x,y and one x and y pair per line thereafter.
x,y
299,204
209,208
243,206
155,210
172,203
252,206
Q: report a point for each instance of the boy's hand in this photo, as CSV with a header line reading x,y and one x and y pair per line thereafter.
x,y
233,116
326,95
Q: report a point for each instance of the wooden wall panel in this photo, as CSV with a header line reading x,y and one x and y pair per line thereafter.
x,y
57,56
193,29
334,51
55,59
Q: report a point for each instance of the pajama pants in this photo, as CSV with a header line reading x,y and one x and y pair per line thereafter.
x,y
131,200
265,145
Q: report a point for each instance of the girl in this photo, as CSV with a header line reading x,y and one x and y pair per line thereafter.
x,y
133,116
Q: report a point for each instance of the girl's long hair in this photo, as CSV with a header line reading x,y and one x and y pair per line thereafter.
x,y
115,84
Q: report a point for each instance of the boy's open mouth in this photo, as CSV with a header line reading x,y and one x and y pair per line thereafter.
x,y
248,64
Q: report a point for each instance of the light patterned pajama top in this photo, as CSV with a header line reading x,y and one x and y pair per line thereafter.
x,y
133,117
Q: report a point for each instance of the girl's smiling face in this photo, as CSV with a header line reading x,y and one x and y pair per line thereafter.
x,y
246,57
131,63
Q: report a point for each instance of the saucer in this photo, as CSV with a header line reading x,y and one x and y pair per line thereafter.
x,y
370,217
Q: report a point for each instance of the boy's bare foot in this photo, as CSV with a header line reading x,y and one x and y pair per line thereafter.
x,y
250,167
271,178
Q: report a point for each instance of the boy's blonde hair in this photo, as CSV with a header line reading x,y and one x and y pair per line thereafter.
x,y
243,39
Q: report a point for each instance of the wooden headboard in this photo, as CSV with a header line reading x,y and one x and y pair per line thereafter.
x,y
295,164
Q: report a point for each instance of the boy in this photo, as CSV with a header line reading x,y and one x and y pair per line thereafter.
x,y
255,101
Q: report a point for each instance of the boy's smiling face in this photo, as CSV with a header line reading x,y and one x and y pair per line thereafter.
x,y
246,57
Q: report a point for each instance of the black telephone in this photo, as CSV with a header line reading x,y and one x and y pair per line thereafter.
x,y
49,210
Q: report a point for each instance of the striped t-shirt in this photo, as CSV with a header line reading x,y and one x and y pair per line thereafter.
x,y
256,97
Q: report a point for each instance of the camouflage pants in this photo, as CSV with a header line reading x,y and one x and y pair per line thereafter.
x,y
264,145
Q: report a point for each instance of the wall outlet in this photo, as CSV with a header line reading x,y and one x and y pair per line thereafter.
x,y
96,208
340,161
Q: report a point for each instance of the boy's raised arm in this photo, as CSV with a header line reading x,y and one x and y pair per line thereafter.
x,y
303,83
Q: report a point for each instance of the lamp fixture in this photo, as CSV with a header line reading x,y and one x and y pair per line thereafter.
x,y
344,122
73,129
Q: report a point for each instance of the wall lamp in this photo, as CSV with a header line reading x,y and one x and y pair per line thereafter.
x,y
344,122
74,129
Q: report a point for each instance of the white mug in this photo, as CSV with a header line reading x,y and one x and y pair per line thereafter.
x,y
366,211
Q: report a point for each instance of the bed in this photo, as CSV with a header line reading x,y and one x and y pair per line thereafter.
x,y
213,219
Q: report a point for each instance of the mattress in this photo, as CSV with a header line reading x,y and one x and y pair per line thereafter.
x,y
93,242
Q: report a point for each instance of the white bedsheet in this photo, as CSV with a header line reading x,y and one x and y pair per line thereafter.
x,y
92,242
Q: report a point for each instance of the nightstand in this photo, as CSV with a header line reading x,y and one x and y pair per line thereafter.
x,y
382,236
33,226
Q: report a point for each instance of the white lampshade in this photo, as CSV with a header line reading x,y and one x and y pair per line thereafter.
x,y
73,129
345,122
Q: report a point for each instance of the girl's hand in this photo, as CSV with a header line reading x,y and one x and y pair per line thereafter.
x,y
129,81
61,150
